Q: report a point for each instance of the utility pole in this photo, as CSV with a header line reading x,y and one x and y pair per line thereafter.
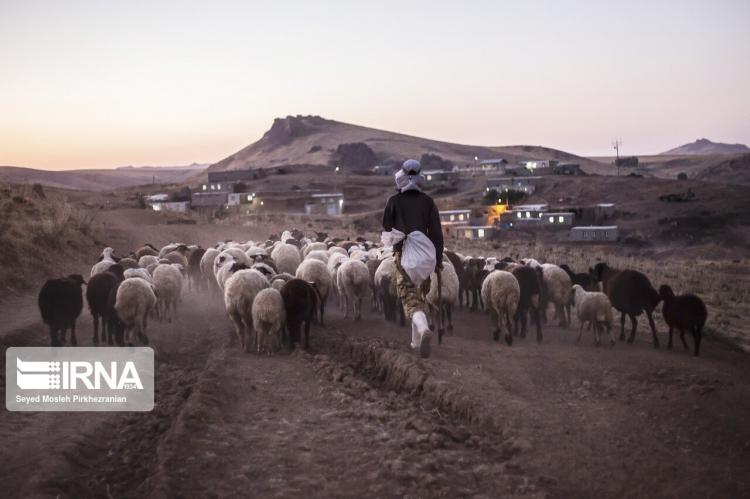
x,y
616,146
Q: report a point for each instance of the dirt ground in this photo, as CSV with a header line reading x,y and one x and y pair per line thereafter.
x,y
360,415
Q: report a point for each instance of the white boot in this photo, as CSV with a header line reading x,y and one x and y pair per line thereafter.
x,y
424,335
415,336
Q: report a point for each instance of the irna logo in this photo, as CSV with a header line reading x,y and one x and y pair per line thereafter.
x,y
73,375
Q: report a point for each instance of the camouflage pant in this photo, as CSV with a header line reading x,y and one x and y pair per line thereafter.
x,y
412,297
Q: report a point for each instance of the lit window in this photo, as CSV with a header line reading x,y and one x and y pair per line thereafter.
x,y
461,217
249,197
204,187
429,177
552,220
561,219
467,234
452,217
341,202
519,214
212,187
261,203
218,186
528,214
480,233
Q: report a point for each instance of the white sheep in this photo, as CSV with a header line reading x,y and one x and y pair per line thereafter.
x,y
318,255
107,260
239,293
500,294
167,281
269,320
314,247
312,270
147,260
287,258
531,262
448,294
593,307
353,282
556,286
142,273
230,254
385,288
337,249
134,299
207,265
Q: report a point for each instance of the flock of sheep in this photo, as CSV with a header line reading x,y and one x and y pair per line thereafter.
x,y
275,288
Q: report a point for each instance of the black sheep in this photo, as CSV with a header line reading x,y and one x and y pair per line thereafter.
x,y
581,278
631,293
60,303
97,297
458,265
300,302
195,277
528,281
685,313
475,274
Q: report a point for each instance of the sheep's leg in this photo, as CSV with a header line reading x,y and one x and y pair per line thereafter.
x,y
634,323
54,340
358,308
669,343
650,316
511,332
96,329
560,312
682,338
307,335
238,328
535,315
496,324
580,333
449,314
73,339
322,309
697,335
597,333
622,326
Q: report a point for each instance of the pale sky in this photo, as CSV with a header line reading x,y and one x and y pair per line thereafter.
x,y
106,83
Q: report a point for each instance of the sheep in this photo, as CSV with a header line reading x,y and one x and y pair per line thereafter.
x,y
207,266
255,252
317,272
631,293
104,263
316,246
240,290
583,279
269,320
372,267
264,269
556,287
147,260
385,287
230,254
528,302
531,262
287,258
168,284
473,271
146,249
501,294
134,300
353,282
169,248
685,313
97,296
60,303
142,273
336,249
593,307
195,277
178,258
318,255
448,295
458,267
300,303
128,263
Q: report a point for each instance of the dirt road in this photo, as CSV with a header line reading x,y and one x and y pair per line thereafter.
x,y
362,416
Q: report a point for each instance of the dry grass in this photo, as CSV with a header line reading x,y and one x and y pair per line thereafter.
x,y
38,226
724,285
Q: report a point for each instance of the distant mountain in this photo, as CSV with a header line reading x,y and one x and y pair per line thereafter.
x,y
706,147
101,179
312,140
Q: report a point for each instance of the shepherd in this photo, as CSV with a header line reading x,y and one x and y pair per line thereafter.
x,y
411,224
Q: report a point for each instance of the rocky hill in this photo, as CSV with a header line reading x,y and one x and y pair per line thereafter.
x,y
312,140
706,147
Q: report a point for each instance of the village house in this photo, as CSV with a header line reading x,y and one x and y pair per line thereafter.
x,y
521,184
325,204
225,181
595,233
455,217
214,199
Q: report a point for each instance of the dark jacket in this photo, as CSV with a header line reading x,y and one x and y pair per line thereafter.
x,y
414,210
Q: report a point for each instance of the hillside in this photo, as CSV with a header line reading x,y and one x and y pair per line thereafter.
x,y
312,140
100,179
706,147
